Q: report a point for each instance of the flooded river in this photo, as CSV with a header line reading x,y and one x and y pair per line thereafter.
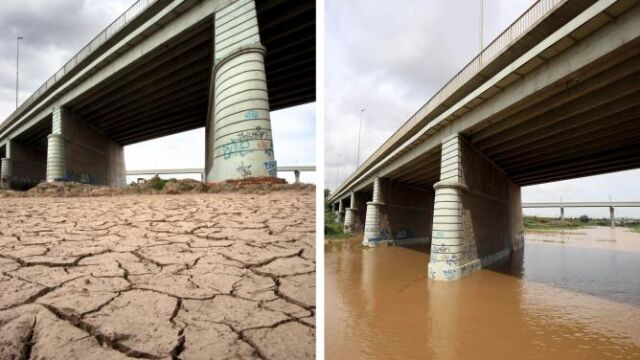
x,y
574,295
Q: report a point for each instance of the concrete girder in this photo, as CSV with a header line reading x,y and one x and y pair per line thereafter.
x,y
574,143
189,89
593,92
611,113
166,127
150,71
149,94
612,157
163,120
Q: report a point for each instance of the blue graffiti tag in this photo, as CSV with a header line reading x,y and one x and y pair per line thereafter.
x,y
235,148
251,115
271,167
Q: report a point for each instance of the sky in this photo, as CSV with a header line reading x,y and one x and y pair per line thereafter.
x,y
55,30
391,57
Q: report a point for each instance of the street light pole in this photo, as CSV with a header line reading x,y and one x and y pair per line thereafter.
x,y
359,130
17,66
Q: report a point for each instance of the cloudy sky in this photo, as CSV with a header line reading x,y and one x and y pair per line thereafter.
x,y
55,30
392,57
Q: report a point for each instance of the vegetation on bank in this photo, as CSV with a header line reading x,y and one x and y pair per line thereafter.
x,y
535,223
332,228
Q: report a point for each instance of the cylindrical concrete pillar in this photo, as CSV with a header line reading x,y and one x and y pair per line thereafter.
x,y
243,145
55,158
372,217
6,173
350,215
296,173
613,217
562,214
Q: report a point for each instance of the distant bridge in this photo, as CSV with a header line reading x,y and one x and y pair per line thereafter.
x,y
296,171
584,204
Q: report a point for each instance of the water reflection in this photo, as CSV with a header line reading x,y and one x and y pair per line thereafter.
x,y
565,302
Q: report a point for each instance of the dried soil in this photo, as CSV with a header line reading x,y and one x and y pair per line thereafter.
x,y
188,276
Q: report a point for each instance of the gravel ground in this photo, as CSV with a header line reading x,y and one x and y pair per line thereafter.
x,y
196,276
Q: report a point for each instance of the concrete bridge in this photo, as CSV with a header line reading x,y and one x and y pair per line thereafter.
x,y
296,169
555,96
584,204
165,67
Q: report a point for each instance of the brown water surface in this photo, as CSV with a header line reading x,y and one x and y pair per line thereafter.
x,y
570,296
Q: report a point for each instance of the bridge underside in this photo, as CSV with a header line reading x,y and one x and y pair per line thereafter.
x,y
584,121
168,92
169,89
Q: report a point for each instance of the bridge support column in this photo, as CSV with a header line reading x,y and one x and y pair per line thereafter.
x,y
6,172
78,152
372,217
22,167
612,215
296,173
561,214
240,144
477,216
340,211
351,214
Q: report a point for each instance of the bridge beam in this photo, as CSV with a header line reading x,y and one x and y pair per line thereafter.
x,y
241,143
477,216
22,167
78,152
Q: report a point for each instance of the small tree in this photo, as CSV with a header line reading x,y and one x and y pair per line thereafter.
x,y
584,219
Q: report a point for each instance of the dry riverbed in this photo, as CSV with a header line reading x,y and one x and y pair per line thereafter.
x,y
193,276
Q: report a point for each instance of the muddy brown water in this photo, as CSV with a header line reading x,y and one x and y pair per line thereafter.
x,y
572,295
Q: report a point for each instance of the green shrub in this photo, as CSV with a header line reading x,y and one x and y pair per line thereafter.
x,y
158,183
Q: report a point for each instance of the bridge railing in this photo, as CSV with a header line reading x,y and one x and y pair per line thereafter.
x,y
296,169
130,14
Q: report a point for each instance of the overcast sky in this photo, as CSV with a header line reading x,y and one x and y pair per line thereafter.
x,y
55,30
391,57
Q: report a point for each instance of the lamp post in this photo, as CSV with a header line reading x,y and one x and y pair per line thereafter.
x,y
17,66
359,130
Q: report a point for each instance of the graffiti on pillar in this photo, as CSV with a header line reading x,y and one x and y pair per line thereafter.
x,y
251,114
450,274
258,133
441,249
235,148
385,234
404,234
244,170
267,146
271,167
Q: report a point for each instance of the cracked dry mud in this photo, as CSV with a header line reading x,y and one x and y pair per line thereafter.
x,y
202,276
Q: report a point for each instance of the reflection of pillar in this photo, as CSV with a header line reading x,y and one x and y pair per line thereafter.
x,y
562,213
296,173
350,216
241,137
613,218
372,217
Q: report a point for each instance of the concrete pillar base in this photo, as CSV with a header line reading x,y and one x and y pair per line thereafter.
x,y
5,173
349,220
372,225
477,218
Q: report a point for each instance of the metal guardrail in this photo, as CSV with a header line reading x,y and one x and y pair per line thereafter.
x,y
100,39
